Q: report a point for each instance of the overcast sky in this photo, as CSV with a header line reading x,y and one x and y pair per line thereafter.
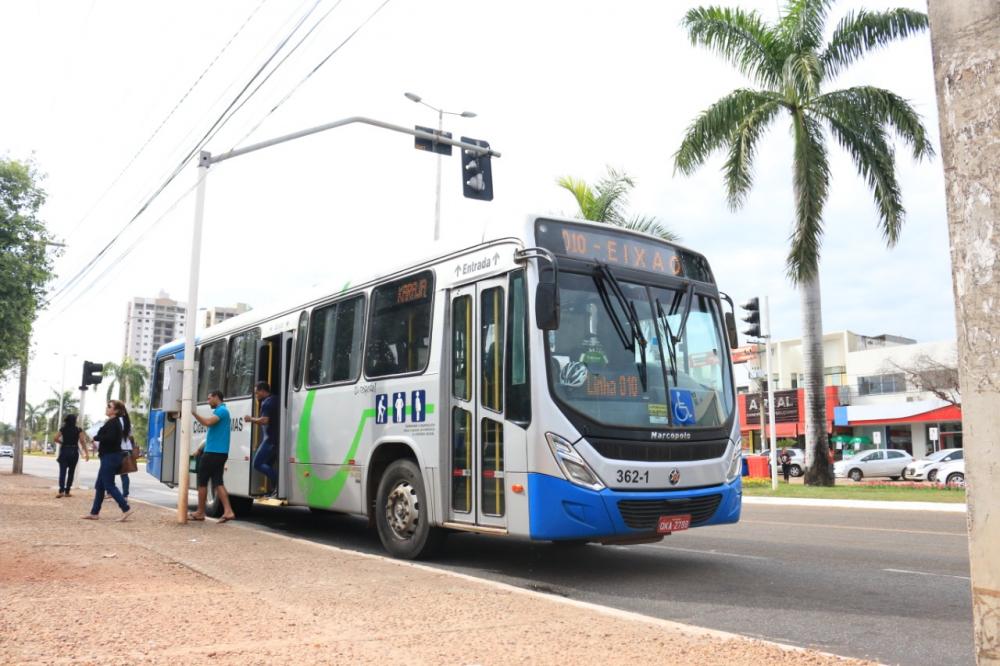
x,y
108,96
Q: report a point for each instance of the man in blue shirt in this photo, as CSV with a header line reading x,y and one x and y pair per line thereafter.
x,y
263,462
214,452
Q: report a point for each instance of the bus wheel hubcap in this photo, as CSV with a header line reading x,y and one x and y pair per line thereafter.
x,y
402,510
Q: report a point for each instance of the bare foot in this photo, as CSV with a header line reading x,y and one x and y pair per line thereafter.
x,y
91,516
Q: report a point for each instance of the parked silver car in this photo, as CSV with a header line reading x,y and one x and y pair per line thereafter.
x,y
927,468
6,451
952,473
880,462
798,457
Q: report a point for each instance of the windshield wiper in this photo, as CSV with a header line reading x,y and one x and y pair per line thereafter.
x,y
675,337
628,307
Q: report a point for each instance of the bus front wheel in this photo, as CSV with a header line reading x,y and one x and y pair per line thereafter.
x,y
402,513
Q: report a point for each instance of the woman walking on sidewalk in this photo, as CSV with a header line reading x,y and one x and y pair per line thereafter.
x,y
109,440
71,441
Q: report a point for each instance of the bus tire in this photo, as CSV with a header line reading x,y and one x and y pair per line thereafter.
x,y
402,513
213,505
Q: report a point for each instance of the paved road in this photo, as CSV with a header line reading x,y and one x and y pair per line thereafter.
x,y
886,585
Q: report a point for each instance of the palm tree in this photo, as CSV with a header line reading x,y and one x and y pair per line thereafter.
x,y
605,202
129,377
789,64
52,410
34,417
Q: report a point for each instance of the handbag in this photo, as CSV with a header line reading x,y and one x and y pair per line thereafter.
x,y
128,464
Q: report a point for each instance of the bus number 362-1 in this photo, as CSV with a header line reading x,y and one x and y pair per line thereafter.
x,y
633,476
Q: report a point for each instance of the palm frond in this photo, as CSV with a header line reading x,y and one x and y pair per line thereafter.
x,y
857,34
801,75
738,170
612,193
715,127
741,37
581,192
649,225
802,23
811,186
881,106
876,163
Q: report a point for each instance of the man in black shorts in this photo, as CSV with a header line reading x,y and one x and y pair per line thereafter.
x,y
213,452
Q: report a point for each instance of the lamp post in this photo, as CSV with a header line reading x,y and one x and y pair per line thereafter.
x,y
413,97
62,388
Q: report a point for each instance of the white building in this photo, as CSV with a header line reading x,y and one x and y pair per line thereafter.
x,y
873,400
150,323
218,314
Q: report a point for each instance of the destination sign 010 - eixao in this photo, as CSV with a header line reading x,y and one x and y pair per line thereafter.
x,y
621,249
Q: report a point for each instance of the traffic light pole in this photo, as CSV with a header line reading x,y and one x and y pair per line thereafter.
x,y
205,161
770,394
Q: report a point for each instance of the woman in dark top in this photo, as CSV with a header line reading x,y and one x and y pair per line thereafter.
x,y
71,441
109,450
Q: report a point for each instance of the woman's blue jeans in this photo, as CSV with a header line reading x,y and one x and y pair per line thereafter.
x,y
110,464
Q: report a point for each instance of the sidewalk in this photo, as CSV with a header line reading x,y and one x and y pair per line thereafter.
x,y
152,591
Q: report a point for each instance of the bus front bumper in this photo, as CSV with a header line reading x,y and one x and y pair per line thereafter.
x,y
560,510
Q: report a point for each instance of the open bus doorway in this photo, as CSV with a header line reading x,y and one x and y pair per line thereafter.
x,y
271,366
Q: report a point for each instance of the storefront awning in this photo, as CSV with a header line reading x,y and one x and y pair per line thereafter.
x,y
897,412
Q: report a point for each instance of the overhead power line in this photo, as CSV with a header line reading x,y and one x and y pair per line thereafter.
x,y
220,121
163,122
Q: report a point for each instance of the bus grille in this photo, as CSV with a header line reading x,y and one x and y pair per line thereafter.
x,y
659,451
643,514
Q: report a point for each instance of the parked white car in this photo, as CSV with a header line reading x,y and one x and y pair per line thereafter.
x,y
927,468
6,451
880,462
952,473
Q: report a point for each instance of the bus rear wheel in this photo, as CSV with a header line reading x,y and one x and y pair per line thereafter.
x,y
402,513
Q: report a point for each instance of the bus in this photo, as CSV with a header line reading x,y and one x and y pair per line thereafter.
x,y
571,382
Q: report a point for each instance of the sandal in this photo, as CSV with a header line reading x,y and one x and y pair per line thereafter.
x,y
194,516
225,519
91,516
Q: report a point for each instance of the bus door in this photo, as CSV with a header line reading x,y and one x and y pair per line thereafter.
x,y
270,366
478,489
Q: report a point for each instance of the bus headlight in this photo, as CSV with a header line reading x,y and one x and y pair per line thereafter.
x,y
573,467
735,463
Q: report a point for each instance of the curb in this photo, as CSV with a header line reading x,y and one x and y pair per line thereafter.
x,y
858,504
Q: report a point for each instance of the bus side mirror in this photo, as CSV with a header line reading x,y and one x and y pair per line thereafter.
x,y
731,330
547,306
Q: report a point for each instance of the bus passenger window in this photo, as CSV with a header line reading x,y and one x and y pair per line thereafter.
x,y
335,342
491,334
211,369
242,350
399,334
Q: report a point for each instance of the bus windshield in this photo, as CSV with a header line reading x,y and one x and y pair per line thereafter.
x,y
651,357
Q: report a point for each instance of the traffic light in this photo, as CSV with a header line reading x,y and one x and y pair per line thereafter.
x,y
91,374
477,174
752,308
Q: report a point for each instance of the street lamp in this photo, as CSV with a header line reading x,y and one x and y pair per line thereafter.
x,y
413,97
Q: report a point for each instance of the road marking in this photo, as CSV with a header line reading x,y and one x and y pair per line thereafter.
x,y
854,527
700,552
926,573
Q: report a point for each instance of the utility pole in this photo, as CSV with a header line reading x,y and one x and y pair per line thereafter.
x,y
770,394
964,38
22,401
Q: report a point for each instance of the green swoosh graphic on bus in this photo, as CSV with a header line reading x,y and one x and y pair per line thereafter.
x,y
324,492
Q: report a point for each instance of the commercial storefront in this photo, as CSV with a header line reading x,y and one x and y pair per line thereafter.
x,y
917,427
789,418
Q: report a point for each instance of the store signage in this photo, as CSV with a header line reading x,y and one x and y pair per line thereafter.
x,y
786,407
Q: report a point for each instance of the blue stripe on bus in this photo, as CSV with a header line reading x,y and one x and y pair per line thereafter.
x,y
558,509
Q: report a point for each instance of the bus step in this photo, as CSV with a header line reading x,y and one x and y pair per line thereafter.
x,y
271,501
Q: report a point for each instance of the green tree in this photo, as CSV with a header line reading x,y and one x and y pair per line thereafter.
x,y
25,266
129,377
7,432
51,406
606,201
790,65
34,420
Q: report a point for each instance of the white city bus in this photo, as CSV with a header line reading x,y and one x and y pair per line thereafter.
x,y
571,383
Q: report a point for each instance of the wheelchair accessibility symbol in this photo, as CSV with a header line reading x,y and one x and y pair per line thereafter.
x,y
682,406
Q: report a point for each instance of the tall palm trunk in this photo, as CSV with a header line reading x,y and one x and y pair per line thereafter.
x,y
810,305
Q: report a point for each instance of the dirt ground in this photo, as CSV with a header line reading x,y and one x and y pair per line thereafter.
x,y
151,591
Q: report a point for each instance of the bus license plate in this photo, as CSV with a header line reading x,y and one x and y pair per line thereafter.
x,y
668,524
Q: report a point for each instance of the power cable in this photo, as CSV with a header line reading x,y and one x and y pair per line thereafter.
x,y
219,122
163,122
